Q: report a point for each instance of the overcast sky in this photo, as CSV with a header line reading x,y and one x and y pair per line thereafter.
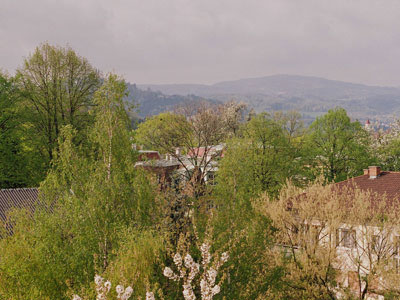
x,y
206,41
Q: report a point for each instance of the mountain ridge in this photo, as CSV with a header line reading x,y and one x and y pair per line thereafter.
x,y
310,95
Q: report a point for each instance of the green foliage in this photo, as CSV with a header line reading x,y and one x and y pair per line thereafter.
x,y
57,87
390,156
258,161
337,147
10,143
19,164
164,132
95,192
248,237
138,262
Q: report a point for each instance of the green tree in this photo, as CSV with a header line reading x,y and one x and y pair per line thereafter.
x,y
94,193
57,86
18,166
258,161
337,147
189,130
385,146
10,144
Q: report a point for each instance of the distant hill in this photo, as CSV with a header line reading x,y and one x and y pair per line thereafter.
x,y
309,95
154,102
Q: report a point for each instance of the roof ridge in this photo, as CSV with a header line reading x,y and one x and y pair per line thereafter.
x,y
19,189
352,178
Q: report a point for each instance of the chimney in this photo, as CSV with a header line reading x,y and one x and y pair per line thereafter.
x,y
374,172
366,171
178,151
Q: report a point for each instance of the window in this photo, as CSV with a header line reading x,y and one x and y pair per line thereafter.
x,y
211,178
294,232
376,243
305,233
346,238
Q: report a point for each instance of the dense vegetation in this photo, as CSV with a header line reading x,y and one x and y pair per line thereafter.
x,y
66,128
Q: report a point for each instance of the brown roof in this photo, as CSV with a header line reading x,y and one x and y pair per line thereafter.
x,y
17,198
386,183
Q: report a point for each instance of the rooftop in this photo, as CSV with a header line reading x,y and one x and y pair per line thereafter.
x,y
17,198
376,181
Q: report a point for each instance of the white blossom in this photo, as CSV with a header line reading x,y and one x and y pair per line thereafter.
x,y
188,260
119,289
103,289
150,296
168,272
207,272
224,257
128,292
216,289
188,293
212,275
98,280
178,260
205,253
107,285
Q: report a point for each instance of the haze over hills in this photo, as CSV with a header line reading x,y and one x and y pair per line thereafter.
x,y
309,95
152,102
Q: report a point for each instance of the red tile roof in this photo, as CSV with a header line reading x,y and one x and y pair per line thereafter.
x,y
386,183
211,150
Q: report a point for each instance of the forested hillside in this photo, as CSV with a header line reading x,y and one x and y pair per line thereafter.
x,y
151,102
311,96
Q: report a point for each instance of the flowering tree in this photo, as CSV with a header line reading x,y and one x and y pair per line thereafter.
x,y
385,146
103,288
188,269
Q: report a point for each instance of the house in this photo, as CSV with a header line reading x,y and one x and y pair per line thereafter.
x,y
361,246
176,167
206,158
349,232
163,169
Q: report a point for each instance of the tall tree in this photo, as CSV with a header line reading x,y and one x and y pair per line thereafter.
x,y
260,160
57,85
338,146
95,193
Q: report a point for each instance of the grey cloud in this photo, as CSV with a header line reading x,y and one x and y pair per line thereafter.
x,y
160,41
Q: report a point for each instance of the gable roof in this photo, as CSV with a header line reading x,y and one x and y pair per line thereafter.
x,y
386,183
17,198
